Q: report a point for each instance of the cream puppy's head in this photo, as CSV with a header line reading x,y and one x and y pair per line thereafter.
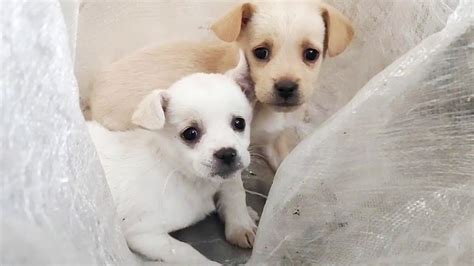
x,y
202,122
285,43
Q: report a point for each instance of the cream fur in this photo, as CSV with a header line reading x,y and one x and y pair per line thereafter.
x,y
120,87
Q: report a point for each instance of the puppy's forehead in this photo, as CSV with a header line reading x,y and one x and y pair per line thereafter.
x,y
290,20
207,96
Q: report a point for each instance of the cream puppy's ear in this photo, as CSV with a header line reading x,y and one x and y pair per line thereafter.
x,y
241,75
228,27
150,112
339,31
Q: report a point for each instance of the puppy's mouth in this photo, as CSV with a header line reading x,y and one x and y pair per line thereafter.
x,y
224,174
226,171
285,107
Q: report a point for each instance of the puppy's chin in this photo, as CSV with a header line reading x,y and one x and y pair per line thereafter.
x,y
284,108
213,174
225,172
281,106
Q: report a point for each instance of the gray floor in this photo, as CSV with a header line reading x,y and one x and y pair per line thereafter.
x,y
208,237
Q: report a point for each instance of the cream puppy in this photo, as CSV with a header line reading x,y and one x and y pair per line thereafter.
x,y
184,162
285,43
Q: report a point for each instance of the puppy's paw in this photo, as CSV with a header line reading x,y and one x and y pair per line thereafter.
x,y
253,214
239,235
242,232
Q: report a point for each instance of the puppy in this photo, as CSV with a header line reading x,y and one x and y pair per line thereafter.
x,y
184,162
285,43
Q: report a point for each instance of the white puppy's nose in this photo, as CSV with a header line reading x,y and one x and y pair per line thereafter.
x,y
226,155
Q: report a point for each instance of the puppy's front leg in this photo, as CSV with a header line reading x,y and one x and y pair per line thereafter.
x,y
277,151
156,246
240,227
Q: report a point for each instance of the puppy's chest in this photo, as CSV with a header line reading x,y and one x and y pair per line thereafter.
x,y
193,198
177,203
268,124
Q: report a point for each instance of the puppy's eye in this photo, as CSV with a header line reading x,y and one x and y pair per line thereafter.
x,y
311,55
261,53
191,134
238,124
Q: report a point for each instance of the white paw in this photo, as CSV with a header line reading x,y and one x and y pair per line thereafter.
x,y
242,236
242,233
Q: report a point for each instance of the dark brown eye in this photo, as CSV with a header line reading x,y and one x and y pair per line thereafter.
x,y
311,55
261,53
191,134
238,124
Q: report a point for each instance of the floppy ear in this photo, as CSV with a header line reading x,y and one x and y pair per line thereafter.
x,y
150,112
228,27
241,75
339,31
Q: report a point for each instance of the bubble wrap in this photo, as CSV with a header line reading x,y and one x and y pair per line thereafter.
x,y
389,179
55,204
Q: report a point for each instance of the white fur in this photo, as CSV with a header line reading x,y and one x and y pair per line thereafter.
x,y
161,184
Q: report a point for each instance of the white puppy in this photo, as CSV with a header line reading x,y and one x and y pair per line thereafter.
x,y
183,163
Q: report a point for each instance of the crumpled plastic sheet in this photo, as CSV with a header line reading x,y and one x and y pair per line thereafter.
x,y
56,208
390,178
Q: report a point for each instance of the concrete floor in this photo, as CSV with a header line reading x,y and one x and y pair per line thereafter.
x,y
208,237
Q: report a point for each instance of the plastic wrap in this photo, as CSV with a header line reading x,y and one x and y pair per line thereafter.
x,y
390,177
55,205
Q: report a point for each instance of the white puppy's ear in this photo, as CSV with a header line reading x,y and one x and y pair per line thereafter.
x,y
241,75
228,27
150,112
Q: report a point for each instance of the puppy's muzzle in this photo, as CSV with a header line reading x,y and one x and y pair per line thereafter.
x,y
227,161
226,155
287,92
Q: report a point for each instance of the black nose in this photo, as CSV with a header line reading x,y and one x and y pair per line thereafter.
x,y
226,155
286,88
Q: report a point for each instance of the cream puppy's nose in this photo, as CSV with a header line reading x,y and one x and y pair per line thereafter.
x,y
286,88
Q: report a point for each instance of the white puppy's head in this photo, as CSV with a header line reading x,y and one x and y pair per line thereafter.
x,y
203,122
